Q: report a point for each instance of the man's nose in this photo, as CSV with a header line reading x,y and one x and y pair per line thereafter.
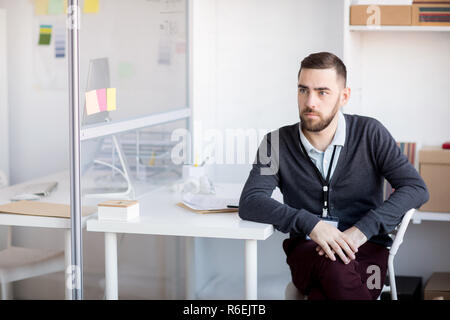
x,y
311,101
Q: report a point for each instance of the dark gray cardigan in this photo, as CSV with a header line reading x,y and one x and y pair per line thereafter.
x,y
369,155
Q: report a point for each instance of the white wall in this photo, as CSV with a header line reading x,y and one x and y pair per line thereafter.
x,y
405,81
260,45
256,54
4,115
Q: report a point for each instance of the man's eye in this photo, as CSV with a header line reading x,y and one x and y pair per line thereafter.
x,y
322,93
302,90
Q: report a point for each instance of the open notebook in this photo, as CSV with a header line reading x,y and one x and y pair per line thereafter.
x,y
208,203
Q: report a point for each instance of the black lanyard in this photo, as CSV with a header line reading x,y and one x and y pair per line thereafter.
x,y
325,182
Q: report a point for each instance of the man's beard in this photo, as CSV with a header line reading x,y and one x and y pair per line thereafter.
x,y
309,125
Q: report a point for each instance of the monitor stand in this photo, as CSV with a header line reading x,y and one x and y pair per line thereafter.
x,y
130,192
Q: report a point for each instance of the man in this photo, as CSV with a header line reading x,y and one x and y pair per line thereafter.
x,y
330,168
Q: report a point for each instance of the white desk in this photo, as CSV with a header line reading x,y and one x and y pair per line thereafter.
x,y
159,215
60,195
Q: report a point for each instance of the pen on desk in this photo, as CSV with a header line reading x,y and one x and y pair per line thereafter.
x,y
204,161
231,206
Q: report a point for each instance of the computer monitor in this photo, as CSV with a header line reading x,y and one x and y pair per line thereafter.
x,y
99,78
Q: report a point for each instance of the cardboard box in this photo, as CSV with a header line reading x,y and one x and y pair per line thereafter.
x,y
437,14
438,287
434,167
431,1
385,15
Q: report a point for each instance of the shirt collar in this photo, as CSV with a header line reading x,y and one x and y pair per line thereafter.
x,y
338,139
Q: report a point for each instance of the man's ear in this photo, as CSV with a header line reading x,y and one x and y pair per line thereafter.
x,y
345,95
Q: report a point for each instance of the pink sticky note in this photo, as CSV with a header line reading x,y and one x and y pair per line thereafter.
x,y
92,102
101,95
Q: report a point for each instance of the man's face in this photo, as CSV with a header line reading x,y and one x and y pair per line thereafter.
x,y
320,95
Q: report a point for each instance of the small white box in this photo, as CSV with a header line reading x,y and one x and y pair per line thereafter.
x,y
118,210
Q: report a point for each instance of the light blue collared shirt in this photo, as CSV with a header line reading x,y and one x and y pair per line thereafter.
x,y
322,158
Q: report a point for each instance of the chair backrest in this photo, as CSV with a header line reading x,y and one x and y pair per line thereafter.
x,y
400,231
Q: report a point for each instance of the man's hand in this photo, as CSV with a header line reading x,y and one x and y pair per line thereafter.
x,y
354,235
331,241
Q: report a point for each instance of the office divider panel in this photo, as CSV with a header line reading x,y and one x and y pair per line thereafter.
x,y
145,43
134,64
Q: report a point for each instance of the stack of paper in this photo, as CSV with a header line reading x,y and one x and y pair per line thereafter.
x,y
208,203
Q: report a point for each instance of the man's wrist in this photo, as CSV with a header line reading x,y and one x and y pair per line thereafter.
x,y
360,236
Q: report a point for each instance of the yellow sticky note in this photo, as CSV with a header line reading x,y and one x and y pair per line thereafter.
x,y
91,6
45,30
111,98
92,102
40,7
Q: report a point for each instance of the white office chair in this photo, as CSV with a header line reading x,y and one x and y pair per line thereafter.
x,y
292,293
18,263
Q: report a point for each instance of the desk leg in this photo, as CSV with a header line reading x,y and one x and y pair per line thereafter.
x,y
111,287
190,268
67,259
251,270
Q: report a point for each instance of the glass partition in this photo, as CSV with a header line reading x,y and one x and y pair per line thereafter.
x,y
140,49
133,95
131,164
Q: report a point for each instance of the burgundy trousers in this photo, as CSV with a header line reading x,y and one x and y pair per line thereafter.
x,y
321,278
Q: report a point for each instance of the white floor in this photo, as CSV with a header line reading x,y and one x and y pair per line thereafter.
x,y
223,288
148,288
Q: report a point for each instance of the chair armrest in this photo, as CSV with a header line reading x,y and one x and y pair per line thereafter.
x,y
401,232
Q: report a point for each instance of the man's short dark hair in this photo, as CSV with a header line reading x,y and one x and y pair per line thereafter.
x,y
325,60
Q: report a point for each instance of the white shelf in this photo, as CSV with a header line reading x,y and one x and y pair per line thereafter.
x,y
399,28
420,216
